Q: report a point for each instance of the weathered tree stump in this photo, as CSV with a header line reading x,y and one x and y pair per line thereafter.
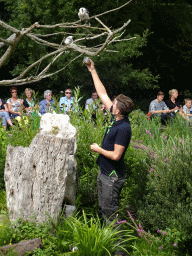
x,y
41,177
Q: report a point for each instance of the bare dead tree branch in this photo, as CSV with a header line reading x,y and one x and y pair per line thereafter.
x,y
89,33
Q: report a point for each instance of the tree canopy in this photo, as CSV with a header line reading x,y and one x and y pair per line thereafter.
x,y
161,51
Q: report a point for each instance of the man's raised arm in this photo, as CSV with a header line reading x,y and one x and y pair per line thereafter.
x,y
101,91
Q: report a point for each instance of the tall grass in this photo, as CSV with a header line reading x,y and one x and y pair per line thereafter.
x,y
74,236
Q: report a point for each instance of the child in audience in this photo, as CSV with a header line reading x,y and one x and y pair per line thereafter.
x,y
187,109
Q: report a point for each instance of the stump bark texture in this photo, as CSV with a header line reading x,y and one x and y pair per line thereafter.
x,y
41,177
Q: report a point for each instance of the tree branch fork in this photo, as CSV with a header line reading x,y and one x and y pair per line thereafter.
x,y
102,31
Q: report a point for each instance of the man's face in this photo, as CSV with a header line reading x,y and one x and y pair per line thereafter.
x,y
94,96
68,94
188,104
160,98
49,96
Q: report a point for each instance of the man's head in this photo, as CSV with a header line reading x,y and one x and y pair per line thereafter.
x,y
122,105
68,93
187,102
94,95
160,96
48,95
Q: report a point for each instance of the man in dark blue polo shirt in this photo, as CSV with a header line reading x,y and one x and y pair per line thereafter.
x,y
110,179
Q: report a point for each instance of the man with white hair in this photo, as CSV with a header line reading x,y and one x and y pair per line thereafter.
x,y
46,105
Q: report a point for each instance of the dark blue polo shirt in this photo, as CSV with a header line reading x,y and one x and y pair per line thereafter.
x,y
119,133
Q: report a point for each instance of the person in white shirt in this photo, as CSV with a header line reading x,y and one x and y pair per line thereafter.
x,y
90,101
187,110
159,108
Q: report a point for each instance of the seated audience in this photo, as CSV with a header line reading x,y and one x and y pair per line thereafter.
x,y
4,114
66,103
46,105
90,101
159,108
187,109
14,104
172,102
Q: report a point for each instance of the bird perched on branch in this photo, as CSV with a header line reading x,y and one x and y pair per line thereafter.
x,y
83,14
69,40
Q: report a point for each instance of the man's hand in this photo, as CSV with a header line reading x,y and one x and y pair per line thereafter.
x,y
176,108
90,66
95,147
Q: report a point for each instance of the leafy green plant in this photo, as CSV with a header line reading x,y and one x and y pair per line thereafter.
x,y
3,206
162,177
90,237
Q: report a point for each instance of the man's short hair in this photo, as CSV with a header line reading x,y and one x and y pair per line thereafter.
x,y
124,104
46,92
160,93
68,89
186,100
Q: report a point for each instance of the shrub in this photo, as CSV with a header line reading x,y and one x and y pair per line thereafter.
x,y
163,192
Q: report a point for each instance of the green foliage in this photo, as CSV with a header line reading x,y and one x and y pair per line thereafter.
x,y
157,183
116,68
161,188
3,147
160,243
3,207
89,131
88,235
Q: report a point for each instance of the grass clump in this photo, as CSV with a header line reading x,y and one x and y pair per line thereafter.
x,y
83,236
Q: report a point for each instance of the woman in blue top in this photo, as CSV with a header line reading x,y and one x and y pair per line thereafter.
x,y
46,105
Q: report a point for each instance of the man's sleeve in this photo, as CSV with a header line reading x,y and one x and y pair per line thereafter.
x,y
185,108
123,136
61,102
152,107
164,106
86,104
41,107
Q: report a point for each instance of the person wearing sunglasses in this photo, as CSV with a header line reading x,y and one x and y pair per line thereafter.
x,y
14,104
66,103
46,105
